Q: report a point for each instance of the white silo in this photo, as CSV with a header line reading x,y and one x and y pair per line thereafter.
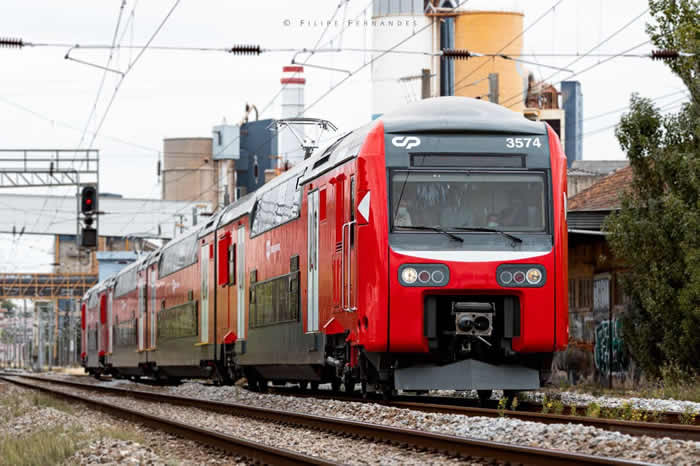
x,y
292,101
396,77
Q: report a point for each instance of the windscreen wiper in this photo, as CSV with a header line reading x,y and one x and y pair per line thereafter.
x,y
427,228
491,230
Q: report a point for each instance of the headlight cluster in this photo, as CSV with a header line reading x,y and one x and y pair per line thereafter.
x,y
521,275
424,275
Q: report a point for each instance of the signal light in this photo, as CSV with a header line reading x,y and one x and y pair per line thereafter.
x,y
88,200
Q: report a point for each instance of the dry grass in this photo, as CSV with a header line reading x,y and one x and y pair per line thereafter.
x,y
41,400
43,447
12,404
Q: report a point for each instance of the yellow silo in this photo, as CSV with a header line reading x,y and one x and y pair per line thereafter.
x,y
489,32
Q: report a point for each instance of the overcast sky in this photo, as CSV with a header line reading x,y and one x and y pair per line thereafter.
x,y
45,100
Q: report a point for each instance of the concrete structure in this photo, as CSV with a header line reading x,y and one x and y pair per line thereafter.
x,y
395,20
572,102
487,32
111,262
258,155
289,139
189,172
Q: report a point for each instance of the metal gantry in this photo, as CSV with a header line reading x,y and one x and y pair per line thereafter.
x,y
51,168
49,286
48,167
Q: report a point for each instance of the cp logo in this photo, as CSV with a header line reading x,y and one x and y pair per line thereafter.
x,y
408,142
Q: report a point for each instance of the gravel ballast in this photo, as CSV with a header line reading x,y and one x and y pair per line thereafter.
x,y
100,438
328,446
569,437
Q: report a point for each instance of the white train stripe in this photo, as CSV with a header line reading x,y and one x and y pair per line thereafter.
x,y
472,256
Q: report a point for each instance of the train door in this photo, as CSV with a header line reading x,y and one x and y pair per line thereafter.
x,y
204,301
100,323
84,330
152,304
239,265
339,208
141,322
312,268
349,259
110,320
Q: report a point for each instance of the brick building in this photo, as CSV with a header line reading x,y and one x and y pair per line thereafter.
x,y
596,300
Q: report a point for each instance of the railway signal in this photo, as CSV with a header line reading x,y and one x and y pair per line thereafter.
x,y
88,208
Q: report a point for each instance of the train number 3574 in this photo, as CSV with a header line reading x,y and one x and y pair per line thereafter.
x,y
519,143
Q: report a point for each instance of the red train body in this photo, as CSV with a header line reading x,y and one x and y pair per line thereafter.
x,y
426,250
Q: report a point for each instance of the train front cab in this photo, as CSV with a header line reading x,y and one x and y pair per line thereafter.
x,y
467,308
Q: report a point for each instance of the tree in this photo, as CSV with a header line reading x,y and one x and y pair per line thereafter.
x,y
657,230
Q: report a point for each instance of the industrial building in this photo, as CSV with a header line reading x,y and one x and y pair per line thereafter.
x,y
238,158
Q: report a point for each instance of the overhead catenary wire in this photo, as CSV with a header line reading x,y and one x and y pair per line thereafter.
x,y
332,88
129,68
93,109
621,109
380,55
589,51
577,73
284,86
678,103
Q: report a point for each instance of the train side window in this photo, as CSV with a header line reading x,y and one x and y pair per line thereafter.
x,y
339,208
223,259
352,198
276,206
322,204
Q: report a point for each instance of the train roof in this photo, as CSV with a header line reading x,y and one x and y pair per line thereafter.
x,y
451,114
238,209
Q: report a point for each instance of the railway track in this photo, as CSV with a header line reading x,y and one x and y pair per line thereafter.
x,y
445,405
453,445
253,450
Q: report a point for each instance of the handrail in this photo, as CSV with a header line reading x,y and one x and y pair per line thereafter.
x,y
346,263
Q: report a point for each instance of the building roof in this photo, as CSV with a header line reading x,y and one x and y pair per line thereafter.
x,y
597,167
116,255
605,194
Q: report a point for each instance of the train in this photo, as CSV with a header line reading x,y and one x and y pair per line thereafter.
x,y
426,250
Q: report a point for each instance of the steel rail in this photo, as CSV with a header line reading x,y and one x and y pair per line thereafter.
x,y
637,428
237,446
445,405
444,443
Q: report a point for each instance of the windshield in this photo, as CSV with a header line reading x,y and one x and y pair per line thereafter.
x,y
453,201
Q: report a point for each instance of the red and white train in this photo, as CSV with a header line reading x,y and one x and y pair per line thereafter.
x,y
425,250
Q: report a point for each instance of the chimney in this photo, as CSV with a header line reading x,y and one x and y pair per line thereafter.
x,y
288,145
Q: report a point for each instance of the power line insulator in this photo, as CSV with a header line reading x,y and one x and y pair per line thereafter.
x,y
11,43
245,50
664,54
456,54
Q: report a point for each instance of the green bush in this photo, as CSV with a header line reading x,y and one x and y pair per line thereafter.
x,y
656,231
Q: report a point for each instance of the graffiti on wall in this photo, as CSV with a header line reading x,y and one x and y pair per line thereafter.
x,y
609,350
